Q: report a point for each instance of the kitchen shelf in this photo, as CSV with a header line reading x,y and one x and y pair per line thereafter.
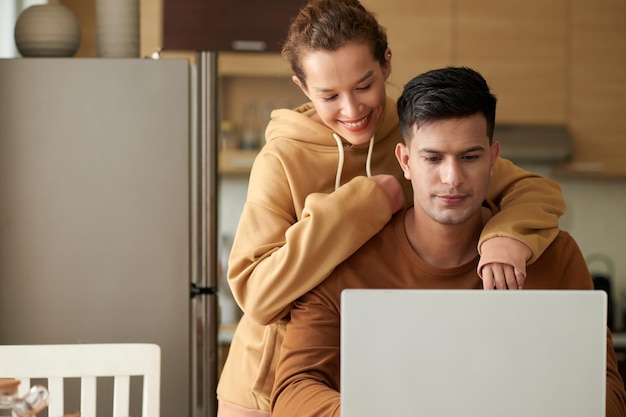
x,y
242,64
235,161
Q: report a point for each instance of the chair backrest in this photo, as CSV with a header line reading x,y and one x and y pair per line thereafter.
x,y
54,363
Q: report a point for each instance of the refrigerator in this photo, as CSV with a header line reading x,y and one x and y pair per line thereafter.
x,y
108,222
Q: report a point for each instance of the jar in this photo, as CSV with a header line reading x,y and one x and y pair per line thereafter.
x,y
35,400
228,135
249,134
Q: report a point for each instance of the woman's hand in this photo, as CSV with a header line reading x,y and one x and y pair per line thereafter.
x,y
392,189
501,276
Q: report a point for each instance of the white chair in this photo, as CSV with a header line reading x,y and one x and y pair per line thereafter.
x,y
87,362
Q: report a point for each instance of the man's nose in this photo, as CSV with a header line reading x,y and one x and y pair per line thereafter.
x,y
452,173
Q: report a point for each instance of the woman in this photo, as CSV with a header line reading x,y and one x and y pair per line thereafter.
x,y
327,180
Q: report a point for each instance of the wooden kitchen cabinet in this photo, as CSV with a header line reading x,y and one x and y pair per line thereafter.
x,y
557,62
419,33
520,48
236,161
227,25
598,87
262,81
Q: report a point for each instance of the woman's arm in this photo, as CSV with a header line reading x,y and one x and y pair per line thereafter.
x,y
279,254
530,207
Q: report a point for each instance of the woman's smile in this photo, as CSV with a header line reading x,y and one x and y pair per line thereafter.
x,y
358,124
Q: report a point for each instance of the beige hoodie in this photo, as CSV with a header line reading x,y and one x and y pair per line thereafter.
x,y
296,228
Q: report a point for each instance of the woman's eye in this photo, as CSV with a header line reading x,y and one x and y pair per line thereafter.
x,y
364,88
329,98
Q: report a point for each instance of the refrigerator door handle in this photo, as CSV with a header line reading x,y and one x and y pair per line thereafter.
x,y
196,290
204,322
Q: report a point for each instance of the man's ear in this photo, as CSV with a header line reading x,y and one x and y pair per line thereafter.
x,y
402,154
297,82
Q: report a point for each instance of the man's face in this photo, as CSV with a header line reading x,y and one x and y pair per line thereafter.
x,y
449,163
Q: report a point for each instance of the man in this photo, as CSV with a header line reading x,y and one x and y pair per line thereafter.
x,y
447,118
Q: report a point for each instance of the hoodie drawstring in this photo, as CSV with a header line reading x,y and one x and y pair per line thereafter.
x,y
368,162
340,163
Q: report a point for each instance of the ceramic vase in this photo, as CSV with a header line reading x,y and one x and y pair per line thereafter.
x,y
47,30
117,28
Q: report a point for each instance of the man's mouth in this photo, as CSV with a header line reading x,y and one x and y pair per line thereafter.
x,y
452,199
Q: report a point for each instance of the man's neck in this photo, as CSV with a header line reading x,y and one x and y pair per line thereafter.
x,y
443,246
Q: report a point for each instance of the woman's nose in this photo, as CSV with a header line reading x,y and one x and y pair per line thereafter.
x,y
351,107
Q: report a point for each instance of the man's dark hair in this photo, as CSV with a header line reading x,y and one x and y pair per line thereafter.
x,y
446,93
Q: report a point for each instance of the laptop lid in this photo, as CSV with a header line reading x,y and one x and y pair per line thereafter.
x,y
451,353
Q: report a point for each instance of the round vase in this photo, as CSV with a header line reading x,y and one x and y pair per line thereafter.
x,y
47,30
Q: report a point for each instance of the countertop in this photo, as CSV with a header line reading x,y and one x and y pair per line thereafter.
x,y
226,332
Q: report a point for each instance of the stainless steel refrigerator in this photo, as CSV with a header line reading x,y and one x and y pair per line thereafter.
x,y
108,211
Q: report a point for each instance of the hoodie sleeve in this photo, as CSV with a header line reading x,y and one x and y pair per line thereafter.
x,y
276,257
530,207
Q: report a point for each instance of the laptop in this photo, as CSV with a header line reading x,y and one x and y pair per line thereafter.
x,y
454,353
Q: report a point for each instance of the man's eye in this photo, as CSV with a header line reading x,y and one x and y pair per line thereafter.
x,y
365,88
432,159
471,157
329,98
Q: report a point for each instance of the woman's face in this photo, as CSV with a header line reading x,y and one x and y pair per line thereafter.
x,y
347,88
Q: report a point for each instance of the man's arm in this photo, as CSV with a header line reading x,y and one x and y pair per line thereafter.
x,y
307,375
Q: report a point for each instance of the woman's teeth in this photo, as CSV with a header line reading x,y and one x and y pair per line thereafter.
x,y
359,123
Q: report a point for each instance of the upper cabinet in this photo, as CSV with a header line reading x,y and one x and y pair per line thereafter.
x,y
557,62
598,86
520,48
227,25
419,33
549,62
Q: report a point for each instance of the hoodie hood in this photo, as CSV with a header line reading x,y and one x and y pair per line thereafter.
x,y
312,133
298,125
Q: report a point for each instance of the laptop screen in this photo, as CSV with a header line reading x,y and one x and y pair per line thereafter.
x,y
539,353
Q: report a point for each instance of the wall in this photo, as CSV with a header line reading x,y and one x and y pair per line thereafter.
x,y
232,196
595,217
